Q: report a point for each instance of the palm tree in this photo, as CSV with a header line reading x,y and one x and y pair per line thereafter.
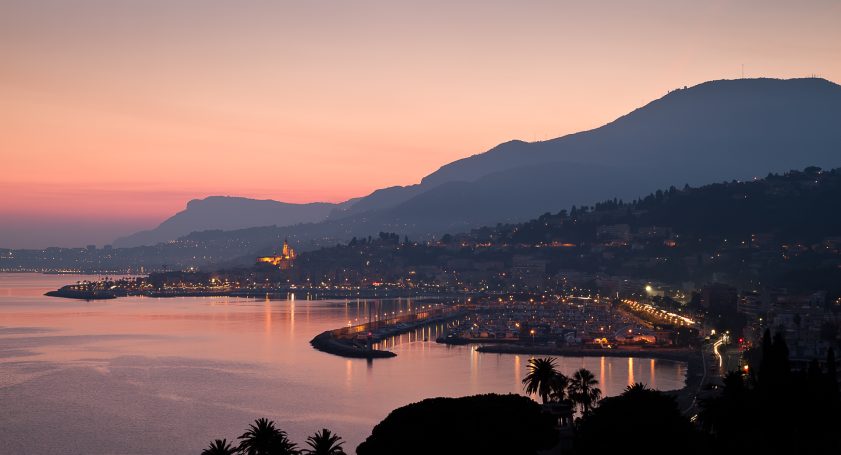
x,y
325,442
539,378
219,447
583,390
263,438
558,387
636,387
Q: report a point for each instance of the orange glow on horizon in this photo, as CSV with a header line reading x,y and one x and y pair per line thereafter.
x,y
127,110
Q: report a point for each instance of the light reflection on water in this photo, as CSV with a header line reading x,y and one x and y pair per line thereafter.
x,y
145,375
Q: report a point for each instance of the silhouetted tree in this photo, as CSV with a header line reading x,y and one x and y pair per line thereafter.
x,y
722,415
583,391
636,387
538,380
219,447
832,375
263,438
780,410
324,442
640,420
558,385
480,424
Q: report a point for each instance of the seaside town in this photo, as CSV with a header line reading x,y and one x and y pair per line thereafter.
x,y
603,277
420,228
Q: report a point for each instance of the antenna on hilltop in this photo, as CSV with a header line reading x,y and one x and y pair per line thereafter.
x,y
743,70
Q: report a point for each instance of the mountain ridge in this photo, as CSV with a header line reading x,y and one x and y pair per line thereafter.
x,y
714,131
228,213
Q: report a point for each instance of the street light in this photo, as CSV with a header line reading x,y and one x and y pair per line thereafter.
x,y
532,335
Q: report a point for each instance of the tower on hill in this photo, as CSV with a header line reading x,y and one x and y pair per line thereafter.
x,y
283,260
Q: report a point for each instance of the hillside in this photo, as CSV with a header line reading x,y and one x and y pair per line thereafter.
x,y
715,131
779,231
795,207
697,132
719,130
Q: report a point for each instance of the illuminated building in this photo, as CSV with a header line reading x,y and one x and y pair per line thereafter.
x,y
283,260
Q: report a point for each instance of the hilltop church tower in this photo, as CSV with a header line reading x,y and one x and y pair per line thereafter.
x,y
287,252
284,260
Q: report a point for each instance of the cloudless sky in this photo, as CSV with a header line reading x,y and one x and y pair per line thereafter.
x,y
115,113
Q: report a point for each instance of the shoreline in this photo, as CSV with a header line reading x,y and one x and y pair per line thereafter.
x,y
274,293
677,355
685,396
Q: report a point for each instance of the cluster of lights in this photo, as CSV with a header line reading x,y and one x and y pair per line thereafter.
x,y
659,313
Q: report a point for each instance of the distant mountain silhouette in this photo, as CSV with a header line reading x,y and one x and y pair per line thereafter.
x,y
719,130
715,131
228,213
738,126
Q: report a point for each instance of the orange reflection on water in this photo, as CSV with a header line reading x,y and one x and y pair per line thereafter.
x,y
349,375
267,316
474,369
281,376
651,375
292,316
601,370
518,371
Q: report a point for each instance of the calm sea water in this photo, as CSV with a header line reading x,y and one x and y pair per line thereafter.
x,y
161,376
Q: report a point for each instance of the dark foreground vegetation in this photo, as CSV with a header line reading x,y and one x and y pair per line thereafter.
x,y
777,408
264,438
510,424
781,408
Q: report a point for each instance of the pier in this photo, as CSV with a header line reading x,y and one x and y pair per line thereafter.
x,y
357,341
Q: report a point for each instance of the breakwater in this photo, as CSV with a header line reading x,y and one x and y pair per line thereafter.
x,y
82,294
357,341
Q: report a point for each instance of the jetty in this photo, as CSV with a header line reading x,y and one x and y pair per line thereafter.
x,y
357,341
82,293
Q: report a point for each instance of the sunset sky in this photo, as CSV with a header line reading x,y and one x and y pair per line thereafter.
x,y
116,113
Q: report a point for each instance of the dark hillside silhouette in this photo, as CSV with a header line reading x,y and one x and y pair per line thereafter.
x,y
779,408
486,424
640,420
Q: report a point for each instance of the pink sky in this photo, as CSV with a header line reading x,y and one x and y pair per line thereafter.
x,y
116,113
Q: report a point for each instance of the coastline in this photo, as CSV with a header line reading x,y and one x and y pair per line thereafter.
x,y
315,294
677,355
685,396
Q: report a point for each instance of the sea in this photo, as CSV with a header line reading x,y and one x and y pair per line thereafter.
x,y
141,375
